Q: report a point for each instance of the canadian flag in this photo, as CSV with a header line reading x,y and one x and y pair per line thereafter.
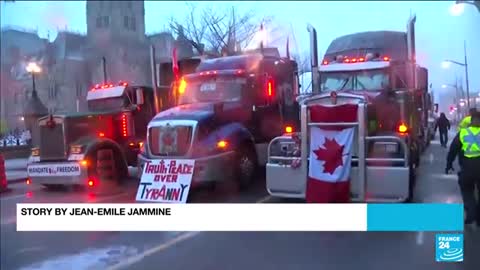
x,y
330,154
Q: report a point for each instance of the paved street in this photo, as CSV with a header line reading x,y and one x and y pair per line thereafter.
x,y
223,250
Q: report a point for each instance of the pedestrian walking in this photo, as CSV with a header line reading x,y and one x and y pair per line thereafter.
x,y
443,126
466,145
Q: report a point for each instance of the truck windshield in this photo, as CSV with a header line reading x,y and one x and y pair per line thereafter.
x,y
365,80
106,104
213,90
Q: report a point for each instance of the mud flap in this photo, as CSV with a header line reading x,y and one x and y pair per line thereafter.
x,y
106,180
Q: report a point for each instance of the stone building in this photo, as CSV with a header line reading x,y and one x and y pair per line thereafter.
x,y
72,63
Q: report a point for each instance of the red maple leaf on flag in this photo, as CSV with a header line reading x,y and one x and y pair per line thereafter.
x,y
331,154
167,139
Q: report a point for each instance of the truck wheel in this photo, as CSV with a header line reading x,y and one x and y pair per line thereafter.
x,y
246,166
415,155
103,171
412,181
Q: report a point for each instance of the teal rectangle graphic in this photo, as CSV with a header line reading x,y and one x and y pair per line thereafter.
x,y
415,217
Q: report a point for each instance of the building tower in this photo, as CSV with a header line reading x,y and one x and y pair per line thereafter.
x,y
115,20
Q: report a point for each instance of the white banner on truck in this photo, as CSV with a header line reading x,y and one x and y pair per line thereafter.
x,y
65,169
166,181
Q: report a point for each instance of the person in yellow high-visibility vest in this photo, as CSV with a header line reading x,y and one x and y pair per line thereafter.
x,y
466,145
467,119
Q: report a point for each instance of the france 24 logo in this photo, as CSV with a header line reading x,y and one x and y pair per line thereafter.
x,y
449,247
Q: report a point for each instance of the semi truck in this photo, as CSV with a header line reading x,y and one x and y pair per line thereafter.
x,y
229,109
95,148
79,148
378,72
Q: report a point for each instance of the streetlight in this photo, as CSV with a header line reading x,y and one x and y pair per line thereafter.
x,y
458,8
446,64
33,68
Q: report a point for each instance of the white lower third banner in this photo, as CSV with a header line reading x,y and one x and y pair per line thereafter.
x,y
191,217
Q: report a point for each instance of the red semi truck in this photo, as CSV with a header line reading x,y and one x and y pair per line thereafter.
x,y
378,72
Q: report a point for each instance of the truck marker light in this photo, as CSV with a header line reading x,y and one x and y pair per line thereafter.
x,y
402,128
325,62
142,147
84,163
29,181
182,87
222,144
270,87
124,125
101,134
288,129
90,183
354,60
386,58
361,59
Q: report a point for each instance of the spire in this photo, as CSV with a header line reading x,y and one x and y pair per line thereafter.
x,y
288,47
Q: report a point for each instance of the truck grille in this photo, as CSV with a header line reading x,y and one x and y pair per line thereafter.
x,y
170,141
52,142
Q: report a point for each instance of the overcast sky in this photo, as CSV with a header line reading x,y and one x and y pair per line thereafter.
x,y
439,34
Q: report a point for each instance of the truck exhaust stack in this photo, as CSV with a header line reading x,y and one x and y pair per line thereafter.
x,y
314,58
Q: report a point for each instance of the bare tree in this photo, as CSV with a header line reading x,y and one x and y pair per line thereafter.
x,y
220,32
303,61
192,29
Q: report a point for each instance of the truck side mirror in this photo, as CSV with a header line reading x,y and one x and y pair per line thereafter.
x,y
436,107
140,97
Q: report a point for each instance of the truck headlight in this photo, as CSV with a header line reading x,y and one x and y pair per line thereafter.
x,y
35,152
76,149
142,148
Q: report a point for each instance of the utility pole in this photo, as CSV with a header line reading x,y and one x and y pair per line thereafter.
x,y
466,72
153,67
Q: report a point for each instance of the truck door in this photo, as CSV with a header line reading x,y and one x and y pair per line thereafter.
x,y
142,97
166,79
288,106
267,116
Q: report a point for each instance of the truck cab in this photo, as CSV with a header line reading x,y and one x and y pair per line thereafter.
x,y
71,145
398,107
229,110
376,73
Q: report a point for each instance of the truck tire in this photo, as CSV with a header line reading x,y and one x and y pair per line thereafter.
x,y
412,181
104,171
245,166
